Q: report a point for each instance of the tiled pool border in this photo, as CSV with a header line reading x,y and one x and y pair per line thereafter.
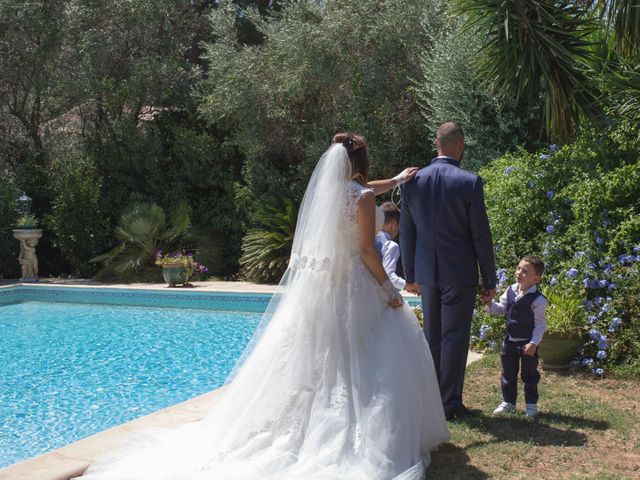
x,y
251,302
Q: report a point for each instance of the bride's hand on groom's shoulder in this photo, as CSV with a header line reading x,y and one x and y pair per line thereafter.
x,y
406,175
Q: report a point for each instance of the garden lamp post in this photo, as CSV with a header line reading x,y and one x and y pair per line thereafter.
x,y
24,203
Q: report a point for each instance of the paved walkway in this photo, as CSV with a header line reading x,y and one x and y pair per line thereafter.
x,y
241,287
73,459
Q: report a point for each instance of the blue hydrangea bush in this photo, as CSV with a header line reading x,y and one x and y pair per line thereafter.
x,y
578,207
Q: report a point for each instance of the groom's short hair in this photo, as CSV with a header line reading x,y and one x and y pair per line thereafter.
x,y
450,134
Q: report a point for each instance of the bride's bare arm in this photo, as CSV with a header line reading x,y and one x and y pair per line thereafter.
x,y
368,253
381,186
367,225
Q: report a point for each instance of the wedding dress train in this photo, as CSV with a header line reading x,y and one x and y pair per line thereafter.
x,y
335,385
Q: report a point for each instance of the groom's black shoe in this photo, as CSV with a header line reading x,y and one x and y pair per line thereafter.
x,y
459,412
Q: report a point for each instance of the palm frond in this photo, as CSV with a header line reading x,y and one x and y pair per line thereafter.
x,y
142,230
533,48
179,222
267,248
622,18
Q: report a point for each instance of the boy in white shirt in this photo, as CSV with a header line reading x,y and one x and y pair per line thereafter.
x,y
388,249
524,308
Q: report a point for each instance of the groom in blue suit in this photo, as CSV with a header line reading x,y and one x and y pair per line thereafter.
x,y
444,236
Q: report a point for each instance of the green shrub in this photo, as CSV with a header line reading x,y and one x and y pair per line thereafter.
x,y
144,230
605,211
543,203
612,306
81,228
9,247
267,247
174,157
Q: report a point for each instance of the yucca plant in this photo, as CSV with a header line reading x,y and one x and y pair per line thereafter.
x,y
622,21
533,48
267,247
28,221
143,229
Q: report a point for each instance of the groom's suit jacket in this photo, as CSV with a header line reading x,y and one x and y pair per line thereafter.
x,y
444,229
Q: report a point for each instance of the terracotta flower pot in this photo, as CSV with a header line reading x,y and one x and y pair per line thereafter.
x,y
175,274
557,351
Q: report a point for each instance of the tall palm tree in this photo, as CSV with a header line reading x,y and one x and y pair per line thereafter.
x,y
532,48
622,21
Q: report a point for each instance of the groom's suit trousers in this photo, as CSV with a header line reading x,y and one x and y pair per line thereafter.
x,y
448,312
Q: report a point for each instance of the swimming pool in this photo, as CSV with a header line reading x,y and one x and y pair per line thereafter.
x,y
76,361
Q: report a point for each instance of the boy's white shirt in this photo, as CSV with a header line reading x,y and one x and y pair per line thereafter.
x,y
539,308
390,255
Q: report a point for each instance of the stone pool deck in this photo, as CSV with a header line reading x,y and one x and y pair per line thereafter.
x,y
72,460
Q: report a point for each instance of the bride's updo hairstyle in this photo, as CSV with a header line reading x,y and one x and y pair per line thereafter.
x,y
356,146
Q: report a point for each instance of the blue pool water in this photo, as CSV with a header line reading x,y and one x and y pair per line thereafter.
x,y
68,370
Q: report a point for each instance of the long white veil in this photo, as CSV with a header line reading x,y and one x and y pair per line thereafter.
x,y
296,347
318,242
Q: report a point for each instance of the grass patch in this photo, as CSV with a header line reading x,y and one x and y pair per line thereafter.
x,y
587,429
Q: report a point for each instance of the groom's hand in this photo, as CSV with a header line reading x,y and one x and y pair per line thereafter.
x,y
413,288
488,295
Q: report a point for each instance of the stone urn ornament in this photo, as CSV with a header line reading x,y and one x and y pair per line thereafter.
x,y
28,259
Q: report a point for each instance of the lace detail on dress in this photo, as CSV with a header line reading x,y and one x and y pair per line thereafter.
x,y
354,193
297,262
348,217
339,398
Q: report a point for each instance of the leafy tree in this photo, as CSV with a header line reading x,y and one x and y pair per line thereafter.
x,y
554,49
622,22
322,67
32,61
450,89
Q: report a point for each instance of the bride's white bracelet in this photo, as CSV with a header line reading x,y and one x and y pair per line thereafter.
x,y
391,293
401,177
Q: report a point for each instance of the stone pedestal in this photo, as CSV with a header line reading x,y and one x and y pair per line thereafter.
x,y
28,259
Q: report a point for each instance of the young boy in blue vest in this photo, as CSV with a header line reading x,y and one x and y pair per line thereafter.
x,y
524,308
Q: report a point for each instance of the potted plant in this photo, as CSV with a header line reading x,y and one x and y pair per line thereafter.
x,y
178,267
566,324
27,221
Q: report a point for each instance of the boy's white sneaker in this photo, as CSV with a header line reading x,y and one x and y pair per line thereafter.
x,y
531,410
504,407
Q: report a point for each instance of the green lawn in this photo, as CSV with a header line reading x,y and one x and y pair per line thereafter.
x,y
587,429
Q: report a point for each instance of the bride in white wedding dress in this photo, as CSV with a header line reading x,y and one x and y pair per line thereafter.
x,y
338,382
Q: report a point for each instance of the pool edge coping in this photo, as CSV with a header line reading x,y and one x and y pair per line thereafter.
x,y
73,459
204,287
